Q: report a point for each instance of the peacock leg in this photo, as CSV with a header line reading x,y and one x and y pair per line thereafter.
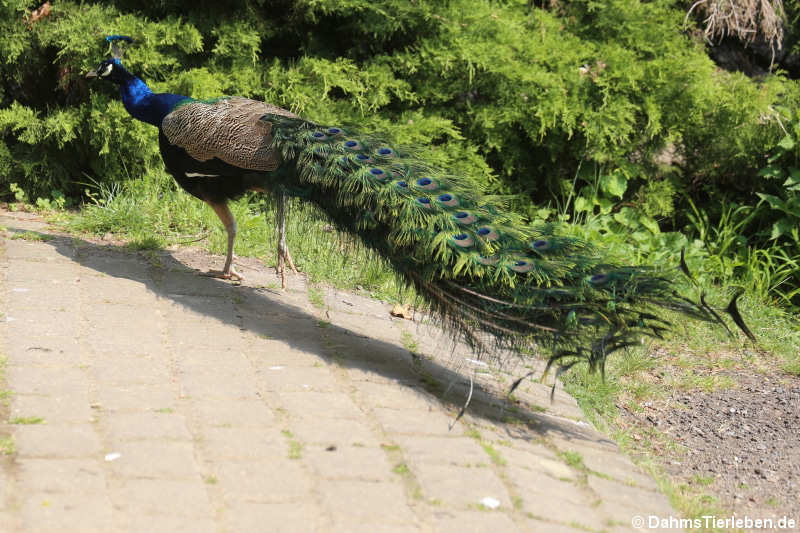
x,y
284,257
226,217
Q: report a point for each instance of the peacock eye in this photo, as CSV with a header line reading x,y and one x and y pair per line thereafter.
x,y
424,201
541,245
428,184
352,145
385,152
462,217
378,173
334,131
402,184
463,240
521,265
598,279
488,233
319,136
448,199
363,157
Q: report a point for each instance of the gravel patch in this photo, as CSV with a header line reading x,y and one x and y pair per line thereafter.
x,y
744,442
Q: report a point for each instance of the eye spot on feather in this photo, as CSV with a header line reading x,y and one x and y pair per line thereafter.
x,y
363,158
462,217
463,240
541,245
599,279
352,145
520,265
378,173
334,131
488,233
318,136
424,202
401,184
385,152
448,199
428,184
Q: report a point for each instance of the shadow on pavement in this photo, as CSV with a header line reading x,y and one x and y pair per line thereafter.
x,y
268,313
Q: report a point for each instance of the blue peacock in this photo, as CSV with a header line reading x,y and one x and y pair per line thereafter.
x,y
495,281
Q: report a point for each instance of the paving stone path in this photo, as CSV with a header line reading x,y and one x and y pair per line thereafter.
x,y
143,397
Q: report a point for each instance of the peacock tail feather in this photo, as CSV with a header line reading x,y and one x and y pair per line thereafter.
x,y
476,264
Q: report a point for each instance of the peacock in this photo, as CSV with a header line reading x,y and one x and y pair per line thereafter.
x,y
211,177
495,281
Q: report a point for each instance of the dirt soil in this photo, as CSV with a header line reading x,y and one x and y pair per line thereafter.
x,y
741,441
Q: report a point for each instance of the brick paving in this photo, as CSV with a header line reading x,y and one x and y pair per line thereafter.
x,y
143,397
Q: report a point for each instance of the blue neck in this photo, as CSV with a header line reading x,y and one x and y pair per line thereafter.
x,y
142,103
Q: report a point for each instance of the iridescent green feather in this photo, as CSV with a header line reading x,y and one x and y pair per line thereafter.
x,y
473,261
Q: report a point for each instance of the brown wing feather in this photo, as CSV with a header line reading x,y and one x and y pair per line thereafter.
x,y
229,129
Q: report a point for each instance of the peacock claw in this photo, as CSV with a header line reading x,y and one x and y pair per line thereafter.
x,y
284,258
219,274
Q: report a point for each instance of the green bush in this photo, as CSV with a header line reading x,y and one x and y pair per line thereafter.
x,y
607,112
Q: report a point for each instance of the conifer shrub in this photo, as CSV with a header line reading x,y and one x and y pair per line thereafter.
x,y
585,109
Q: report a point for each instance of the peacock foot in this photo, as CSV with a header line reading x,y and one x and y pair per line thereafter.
x,y
221,274
284,258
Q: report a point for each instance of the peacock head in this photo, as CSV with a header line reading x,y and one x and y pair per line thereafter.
x,y
111,69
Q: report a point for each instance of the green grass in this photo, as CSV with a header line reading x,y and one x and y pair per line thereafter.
x,y
493,454
32,236
316,297
26,420
701,480
573,459
409,342
488,447
472,433
401,469
5,395
295,449
145,242
7,446
295,446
